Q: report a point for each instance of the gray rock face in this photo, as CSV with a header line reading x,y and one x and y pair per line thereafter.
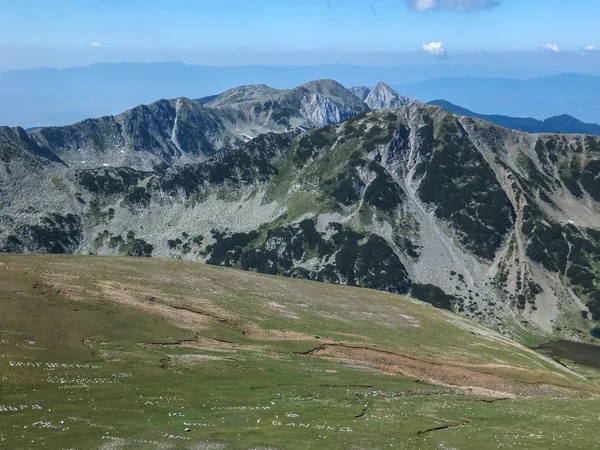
x,y
15,143
469,216
252,110
382,96
321,110
360,91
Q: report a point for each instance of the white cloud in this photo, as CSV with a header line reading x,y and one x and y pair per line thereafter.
x,y
551,48
459,5
589,49
96,44
434,48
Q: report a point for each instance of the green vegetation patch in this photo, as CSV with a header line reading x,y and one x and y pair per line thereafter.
x,y
568,250
432,294
339,256
569,172
109,181
464,191
56,233
383,192
590,178
252,162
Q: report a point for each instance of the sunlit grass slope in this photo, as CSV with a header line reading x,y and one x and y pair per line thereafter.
x,y
130,353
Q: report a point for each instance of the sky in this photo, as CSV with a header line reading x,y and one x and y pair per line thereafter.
x,y
76,32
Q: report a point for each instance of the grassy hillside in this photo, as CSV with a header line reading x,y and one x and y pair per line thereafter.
x,y
101,352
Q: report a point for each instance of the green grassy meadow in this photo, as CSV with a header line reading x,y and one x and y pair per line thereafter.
x,y
118,353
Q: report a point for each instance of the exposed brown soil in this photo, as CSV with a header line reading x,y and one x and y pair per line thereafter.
x,y
466,380
187,312
144,300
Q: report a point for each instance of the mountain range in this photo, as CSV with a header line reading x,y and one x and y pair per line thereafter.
x,y
557,124
496,224
47,96
573,94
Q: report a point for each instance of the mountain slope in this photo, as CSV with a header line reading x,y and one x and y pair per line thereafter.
x,y
180,131
162,133
150,352
259,108
558,124
15,143
496,224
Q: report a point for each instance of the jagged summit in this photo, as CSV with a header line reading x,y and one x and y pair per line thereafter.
x,y
381,96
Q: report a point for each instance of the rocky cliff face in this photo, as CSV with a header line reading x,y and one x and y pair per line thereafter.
x,y
362,92
258,109
496,224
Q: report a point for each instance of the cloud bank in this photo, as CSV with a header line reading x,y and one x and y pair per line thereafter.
x,y
458,5
434,48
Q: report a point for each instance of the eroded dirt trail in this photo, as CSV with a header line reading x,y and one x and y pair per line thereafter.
x,y
467,380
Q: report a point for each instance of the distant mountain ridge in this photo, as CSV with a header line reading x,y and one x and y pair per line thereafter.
x,y
573,94
46,96
180,131
557,124
53,97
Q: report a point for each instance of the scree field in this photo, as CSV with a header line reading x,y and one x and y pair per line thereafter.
x,y
118,353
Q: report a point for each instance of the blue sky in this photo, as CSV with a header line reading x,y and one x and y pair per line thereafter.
x,y
300,24
96,30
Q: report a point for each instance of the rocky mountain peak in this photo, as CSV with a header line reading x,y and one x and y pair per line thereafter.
x,y
382,96
251,110
241,94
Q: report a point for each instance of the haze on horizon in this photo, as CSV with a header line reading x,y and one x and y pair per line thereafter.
x,y
538,35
